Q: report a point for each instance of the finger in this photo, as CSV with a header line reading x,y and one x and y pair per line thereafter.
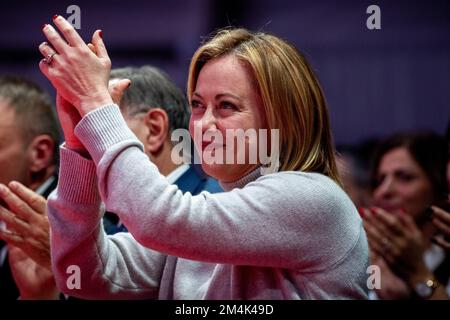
x,y
444,228
35,247
441,214
31,245
16,205
440,241
92,48
99,45
45,49
68,31
55,39
117,89
13,222
35,201
11,238
382,245
391,221
391,260
364,212
39,256
45,68
373,236
387,253
376,247
379,225
408,222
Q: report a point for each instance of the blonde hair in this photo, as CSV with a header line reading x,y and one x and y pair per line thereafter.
x,y
293,99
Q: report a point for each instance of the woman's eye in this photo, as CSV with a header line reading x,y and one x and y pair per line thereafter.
x,y
405,177
228,106
195,104
197,107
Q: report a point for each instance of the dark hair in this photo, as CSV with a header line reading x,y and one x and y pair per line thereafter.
x,y
359,156
32,107
428,149
152,88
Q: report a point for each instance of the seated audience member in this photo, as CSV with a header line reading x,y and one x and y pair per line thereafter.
x,y
292,234
408,178
153,107
29,138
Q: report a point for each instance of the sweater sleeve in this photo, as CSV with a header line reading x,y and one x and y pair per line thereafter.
x,y
283,220
85,261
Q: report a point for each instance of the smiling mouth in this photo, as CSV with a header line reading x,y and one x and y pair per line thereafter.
x,y
389,207
212,145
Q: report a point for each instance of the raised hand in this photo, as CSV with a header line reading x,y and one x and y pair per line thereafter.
x,y
27,222
28,239
68,115
78,74
68,118
441,219
33,280
396,238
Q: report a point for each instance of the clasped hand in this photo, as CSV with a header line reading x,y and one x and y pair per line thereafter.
x,y
80,74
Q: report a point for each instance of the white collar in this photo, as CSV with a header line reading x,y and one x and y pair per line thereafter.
x,y
43,187
177,173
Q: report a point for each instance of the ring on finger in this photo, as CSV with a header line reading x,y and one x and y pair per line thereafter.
x,y
49,58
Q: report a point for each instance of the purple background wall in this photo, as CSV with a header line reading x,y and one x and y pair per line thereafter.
x,y
376,82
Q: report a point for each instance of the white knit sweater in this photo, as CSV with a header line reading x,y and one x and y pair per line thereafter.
x,y
288,235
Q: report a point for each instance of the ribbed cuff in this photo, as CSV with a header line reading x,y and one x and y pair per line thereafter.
x,y
242,182
102,128
77,178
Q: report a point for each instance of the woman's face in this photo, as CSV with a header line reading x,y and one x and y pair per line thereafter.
x,y
402,184
225,99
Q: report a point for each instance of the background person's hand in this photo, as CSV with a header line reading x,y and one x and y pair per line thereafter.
x,y
33,280
27,222
78,74
441,219
392,287
396,238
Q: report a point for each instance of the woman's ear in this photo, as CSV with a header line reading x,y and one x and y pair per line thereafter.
x,y
157,122
41,153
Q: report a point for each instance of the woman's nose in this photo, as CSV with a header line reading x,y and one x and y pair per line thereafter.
x,y
386,189
208,121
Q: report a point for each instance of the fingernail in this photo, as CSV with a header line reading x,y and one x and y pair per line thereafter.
x,y
43,27
2,189
100,33
55,16
361,212
13,185
373,210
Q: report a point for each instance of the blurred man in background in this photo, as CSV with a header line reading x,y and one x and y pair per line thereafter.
x,y
29,138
